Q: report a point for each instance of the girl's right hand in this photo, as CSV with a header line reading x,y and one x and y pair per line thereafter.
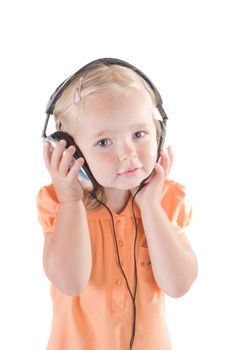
x,y
65,179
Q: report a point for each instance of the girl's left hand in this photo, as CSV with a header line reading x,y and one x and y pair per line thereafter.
x,y
151,193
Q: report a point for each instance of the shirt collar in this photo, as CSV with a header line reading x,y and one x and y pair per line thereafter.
x,y
103,212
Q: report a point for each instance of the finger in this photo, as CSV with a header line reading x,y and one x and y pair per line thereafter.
x,y
47,153
57,155
159,171
165,162
171,154
65,162
170,157
73,173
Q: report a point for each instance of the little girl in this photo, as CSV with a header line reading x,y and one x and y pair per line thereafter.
x,y
112,248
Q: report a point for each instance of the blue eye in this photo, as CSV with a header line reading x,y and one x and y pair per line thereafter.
x,y
140,132
102,143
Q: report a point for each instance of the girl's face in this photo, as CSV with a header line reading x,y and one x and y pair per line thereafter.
x,y
116,133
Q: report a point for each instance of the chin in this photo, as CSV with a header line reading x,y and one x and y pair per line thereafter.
x,y
130,185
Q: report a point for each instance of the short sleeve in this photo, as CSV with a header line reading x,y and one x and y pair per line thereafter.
x,y
47,206
177,206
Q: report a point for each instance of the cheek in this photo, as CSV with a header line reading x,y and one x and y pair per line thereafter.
x,y
102,162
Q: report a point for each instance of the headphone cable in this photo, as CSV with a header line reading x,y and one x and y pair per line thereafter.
x,y
118,258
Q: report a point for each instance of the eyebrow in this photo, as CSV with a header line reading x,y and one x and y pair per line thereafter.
x,y
102,132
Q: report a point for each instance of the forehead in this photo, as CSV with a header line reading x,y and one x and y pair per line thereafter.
x,y
105,109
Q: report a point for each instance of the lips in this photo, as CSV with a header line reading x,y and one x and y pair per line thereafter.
x,y
128,170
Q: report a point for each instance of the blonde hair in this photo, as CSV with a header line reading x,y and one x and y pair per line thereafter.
x,y
101,78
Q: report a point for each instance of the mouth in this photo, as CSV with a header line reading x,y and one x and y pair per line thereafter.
x,y
130,172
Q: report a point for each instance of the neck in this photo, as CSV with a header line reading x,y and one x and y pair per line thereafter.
x,y
116,199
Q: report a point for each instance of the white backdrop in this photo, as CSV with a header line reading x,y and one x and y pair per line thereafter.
x,y
183,47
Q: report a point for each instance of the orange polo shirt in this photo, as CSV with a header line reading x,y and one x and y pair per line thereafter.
x,y
101,317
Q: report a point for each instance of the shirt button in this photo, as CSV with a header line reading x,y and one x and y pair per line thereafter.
x,y
120,243
118,282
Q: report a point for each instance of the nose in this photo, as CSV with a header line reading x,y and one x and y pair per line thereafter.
x,y
127,152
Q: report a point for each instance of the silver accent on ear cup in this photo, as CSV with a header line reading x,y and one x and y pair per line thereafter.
x,y
82,175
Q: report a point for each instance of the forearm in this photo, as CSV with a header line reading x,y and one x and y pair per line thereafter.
x,y
173,263
68,256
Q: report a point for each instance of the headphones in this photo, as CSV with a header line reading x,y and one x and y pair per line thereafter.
x,y
85,175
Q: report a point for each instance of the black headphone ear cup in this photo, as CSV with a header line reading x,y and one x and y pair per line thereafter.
x,y
160,137
60,135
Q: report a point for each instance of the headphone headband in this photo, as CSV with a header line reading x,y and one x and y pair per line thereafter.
x,y
102,61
